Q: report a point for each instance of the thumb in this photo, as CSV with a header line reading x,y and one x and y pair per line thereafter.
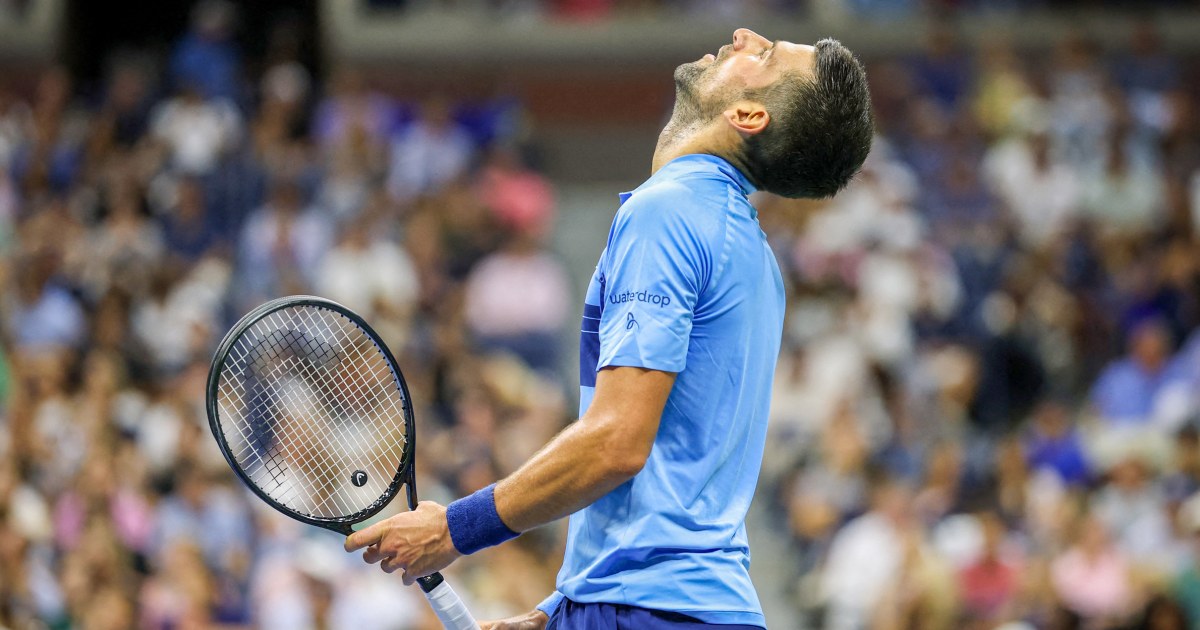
x,y
364,538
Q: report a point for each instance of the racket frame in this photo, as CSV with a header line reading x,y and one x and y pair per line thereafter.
x,y
405,475
445,602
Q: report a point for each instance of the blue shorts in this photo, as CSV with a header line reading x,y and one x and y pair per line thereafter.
x,y
575,616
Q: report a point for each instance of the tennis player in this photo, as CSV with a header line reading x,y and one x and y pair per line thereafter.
x,y
681,328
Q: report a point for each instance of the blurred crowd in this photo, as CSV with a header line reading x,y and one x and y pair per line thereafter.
x,y
140,219
986,413
722,10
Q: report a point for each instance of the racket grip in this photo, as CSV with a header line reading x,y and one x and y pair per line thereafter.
x,y
446,604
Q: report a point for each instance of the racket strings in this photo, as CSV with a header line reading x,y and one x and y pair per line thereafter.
x,y
307,401
320,462
278,449
354,377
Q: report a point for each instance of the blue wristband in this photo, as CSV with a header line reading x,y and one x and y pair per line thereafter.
x,y
475,524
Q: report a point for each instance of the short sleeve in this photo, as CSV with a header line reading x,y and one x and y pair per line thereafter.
x,y
656,265
550,604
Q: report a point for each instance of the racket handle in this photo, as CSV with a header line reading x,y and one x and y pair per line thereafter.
x,y
449,608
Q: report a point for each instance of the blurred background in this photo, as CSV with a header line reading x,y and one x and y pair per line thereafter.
x,y
985,416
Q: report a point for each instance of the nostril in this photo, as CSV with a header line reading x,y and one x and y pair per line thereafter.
x,y
743,37
739,39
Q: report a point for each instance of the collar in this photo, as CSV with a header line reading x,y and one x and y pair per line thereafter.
x,y
697,164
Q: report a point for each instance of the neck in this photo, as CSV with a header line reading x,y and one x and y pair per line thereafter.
x,y
680,139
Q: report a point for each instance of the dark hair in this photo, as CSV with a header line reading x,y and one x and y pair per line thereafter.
x,y
820,130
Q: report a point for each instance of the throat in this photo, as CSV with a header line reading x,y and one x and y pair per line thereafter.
x,y
679,138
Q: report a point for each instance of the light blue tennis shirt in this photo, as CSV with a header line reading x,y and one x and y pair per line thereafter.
x,y
687,283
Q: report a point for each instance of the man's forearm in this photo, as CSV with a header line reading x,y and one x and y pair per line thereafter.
x,y
581,464
604,449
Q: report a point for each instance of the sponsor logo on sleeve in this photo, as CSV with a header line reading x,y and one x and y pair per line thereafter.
x,y
661,301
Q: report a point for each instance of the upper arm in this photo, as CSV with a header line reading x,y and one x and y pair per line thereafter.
x,y
627,407
657,264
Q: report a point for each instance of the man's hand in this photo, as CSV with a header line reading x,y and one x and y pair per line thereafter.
x,y
535,620
417,543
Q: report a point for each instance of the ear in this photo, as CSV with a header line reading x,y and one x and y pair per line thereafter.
x,y
747,117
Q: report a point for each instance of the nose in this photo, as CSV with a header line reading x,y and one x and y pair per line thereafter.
x,y
744,37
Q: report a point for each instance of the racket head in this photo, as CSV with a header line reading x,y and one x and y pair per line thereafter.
x,y
310,409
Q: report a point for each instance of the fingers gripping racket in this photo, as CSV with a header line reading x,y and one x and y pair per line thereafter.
x,y
309,408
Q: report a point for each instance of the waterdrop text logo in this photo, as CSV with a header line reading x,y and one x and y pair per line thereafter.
x,y
660,301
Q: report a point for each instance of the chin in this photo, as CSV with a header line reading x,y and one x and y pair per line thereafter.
x,y
688,75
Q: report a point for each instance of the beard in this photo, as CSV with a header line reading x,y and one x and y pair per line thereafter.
x,y
687,76
694,107
689,107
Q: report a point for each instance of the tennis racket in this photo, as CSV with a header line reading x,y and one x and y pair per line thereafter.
x,y
310,409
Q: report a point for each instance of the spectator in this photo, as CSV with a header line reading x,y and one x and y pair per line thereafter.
x,y
196,132
41,313
991,584
832,488
1041,192
516,300
353,118
281,244
865,557
125,114
1001,88
1186,588
212,518
123,250
432,151
951,317
1124,197
206,58
1147,75
1053,444
51,156
1162,613
1081,115
941,70
16,120
1125,392
1183,477
520,198
1133,509
1093,579
190,229
370,274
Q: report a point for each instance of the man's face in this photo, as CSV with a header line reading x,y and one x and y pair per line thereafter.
x,y
750,62
1150,345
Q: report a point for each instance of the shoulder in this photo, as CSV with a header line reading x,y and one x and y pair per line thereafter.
x,y
1121,368
1117,374
687,207
693,191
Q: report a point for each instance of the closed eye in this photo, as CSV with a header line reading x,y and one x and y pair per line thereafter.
x,y
768,51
